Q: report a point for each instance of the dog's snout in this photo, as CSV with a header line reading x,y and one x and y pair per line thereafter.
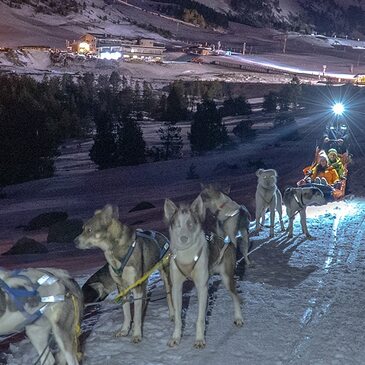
x,y
184,239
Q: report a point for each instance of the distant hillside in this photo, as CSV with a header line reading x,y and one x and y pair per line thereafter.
x,y
62,7
340,17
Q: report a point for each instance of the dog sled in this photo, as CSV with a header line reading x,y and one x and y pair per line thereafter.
x,y
331,192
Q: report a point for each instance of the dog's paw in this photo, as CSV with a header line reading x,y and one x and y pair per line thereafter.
x,y
173,342
310,237
136,339
290,235
238,322
123,332
199,344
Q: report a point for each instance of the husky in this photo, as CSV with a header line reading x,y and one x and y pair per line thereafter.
x,y
268,196
232,219
296,201
98,286
195,258
129,255
42,301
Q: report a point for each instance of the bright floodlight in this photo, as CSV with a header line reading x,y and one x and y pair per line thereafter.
x,y
338,108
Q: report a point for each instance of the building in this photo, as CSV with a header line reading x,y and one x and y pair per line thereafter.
x,y
106,46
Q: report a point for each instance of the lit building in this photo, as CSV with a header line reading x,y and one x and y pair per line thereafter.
x,y
106,46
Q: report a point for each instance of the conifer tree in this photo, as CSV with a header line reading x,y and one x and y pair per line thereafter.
x,y
171,140
207,130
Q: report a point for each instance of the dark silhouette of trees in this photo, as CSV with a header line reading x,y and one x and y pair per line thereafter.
x,y
27,135
171,140
175,109
270,102
236,106
243,129
207,130
131,147
103,151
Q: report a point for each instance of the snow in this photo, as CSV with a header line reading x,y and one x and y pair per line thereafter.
x,y
303,304
302,301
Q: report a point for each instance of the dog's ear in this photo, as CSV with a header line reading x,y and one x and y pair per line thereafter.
x,y
259,172
197,207
107,214
169,209
202,186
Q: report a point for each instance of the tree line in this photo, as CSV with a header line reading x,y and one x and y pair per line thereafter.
x,y
37,116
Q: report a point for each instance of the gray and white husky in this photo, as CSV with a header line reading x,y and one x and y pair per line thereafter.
x,y
48,302
232,219
195,258
296,201
105,231
268,196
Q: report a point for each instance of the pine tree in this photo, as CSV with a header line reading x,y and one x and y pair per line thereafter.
x,y
148,100
270,102
175,108
115,81
131,147
103,152
207,130
171,140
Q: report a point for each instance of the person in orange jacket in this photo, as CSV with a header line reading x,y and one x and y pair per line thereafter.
x,y
322,173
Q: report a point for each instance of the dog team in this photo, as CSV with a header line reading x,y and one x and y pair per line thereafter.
x,y
42,301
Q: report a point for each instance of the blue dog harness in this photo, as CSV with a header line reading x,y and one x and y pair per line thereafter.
x,y
20,296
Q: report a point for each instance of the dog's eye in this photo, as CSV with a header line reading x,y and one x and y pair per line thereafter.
x,y
89,229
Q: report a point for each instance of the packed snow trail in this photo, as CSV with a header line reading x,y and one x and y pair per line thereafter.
x,y
302,304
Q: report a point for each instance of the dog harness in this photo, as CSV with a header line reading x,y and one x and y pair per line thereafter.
x,y
21,296
193,264
150,235
299,201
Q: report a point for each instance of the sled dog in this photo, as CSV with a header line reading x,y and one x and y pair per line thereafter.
x,y
232,219
195,257
129,255
43,302
268,196
98,286
296,200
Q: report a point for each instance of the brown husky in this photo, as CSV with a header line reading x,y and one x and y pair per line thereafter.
x,y
194,257
129,255
232,219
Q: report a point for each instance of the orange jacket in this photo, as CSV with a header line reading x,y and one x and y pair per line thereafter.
x,y
330,174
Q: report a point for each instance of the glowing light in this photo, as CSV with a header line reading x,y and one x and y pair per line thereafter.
x,y
110,55
338,108
84,47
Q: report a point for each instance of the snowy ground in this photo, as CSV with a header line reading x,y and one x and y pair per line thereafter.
x,y
303,304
